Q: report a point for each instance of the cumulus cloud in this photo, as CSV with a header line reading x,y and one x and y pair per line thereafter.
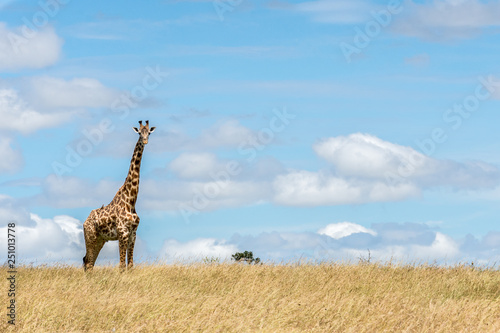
x,y
31,104
18,115
196,250
59,240
344,229
305,188
361,169
383,242
22,48
205,182
364,155
364,168
443,246
195,165
229,133
51,92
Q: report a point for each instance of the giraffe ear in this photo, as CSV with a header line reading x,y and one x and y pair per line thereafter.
x,y
135,129
152,129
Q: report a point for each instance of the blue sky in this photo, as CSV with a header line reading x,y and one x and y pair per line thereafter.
x,y
293,129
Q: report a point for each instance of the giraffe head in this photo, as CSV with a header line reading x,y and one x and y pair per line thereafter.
x,y
144,131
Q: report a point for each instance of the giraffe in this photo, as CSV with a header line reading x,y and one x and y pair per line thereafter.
x,y
118,220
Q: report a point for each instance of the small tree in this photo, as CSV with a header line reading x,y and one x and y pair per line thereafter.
x,y
245,256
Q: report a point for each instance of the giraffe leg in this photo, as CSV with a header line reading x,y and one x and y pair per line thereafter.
x,y
98,246
123,244
130,249
90,245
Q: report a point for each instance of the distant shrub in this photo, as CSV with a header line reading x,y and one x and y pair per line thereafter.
x,y
246,256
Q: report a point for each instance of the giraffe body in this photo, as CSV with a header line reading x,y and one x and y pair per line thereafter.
x,y
118,220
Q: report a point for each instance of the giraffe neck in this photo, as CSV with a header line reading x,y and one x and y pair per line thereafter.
x,y
128,192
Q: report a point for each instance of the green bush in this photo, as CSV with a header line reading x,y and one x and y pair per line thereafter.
x,y
245,256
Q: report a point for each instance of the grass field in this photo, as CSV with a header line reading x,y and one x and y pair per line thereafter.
x,y
249,298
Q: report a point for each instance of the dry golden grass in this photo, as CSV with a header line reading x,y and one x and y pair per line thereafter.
x,y
247,298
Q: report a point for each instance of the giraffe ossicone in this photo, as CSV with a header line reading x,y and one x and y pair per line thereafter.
x,y
118,220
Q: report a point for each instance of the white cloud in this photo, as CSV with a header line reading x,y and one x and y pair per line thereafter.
x,y
442,20
51,92
443,247
206,183
362,169
305,188
18,115
399,243
31,104
344,229
310,188
12,160
196,250
195,165
229,133
364,155
22,48
60,238
365,169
